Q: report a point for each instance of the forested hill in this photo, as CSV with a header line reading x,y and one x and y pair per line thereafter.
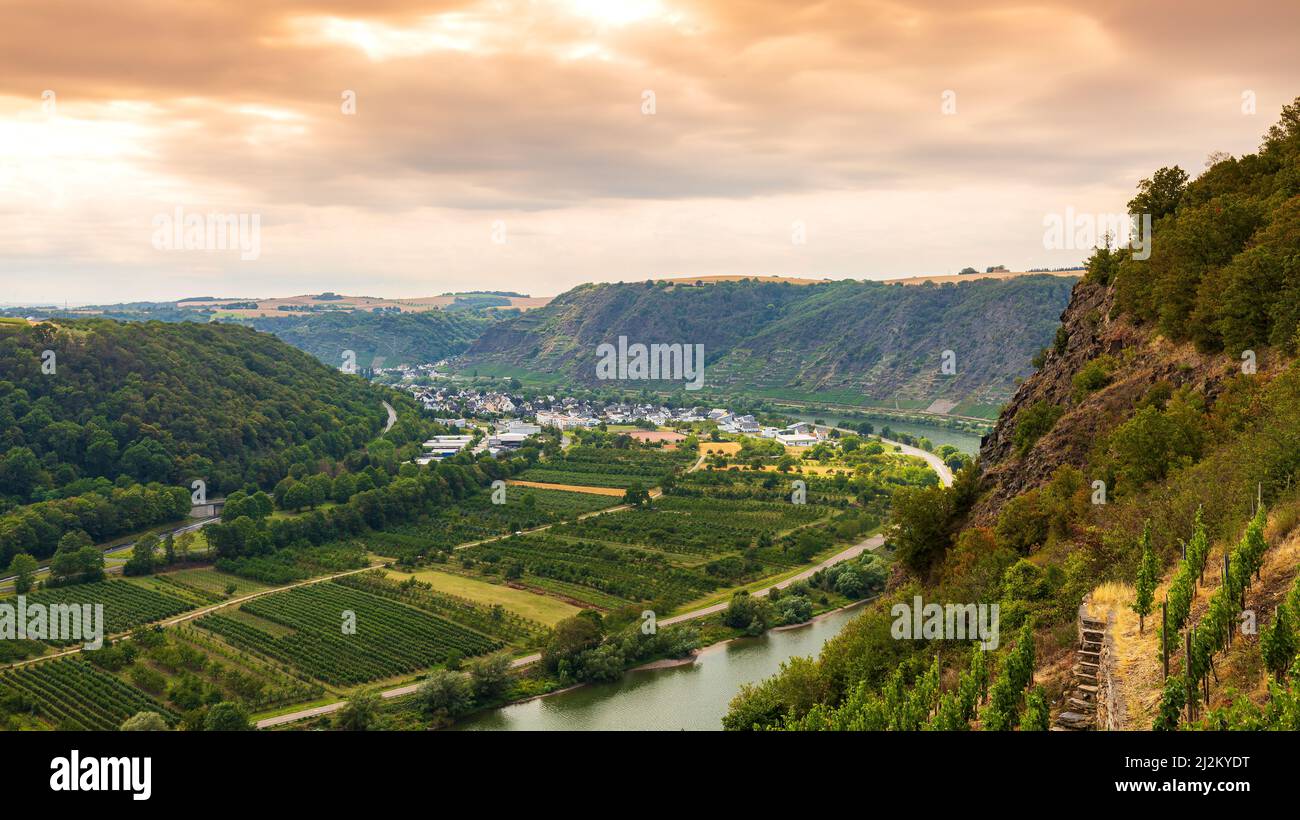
x,y
849,341
379,339
166,402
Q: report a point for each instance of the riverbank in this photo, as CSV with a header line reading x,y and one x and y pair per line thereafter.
x,y
693,694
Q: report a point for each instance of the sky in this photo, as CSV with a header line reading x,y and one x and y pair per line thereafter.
x,y
398,148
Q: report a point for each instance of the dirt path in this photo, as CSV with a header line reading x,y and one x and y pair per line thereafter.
x,y
200,612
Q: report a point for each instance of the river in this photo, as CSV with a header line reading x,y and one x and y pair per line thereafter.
x,y
965,442
693,696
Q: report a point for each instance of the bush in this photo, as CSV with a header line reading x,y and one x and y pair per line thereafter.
x,y
1033,423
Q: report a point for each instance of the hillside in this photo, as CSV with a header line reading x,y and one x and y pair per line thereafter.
x,y
847,341
1164,415
149,403
378,339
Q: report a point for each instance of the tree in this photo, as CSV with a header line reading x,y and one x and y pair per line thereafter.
x,y
142,556
636,495
1147,577
19,471
489,677
297,496
1159,195
746,612
226,717
444,695
23,567
360,712
144,722
922,528
571,637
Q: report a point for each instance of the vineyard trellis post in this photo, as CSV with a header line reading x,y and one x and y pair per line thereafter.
x,y
1164,633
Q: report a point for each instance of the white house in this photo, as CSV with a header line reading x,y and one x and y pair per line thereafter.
x,y
796,439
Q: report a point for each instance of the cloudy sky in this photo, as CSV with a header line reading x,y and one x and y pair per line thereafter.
x,y
401,148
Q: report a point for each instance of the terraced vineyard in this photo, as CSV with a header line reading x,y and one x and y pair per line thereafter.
x,y
477,518
391,638
71,694
608,467
126,604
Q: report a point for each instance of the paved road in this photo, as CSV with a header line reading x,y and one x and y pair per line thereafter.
x,y
852,552
124,547
392,417
936,463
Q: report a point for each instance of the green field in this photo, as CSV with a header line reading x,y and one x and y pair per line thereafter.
x,y
391,638
540,608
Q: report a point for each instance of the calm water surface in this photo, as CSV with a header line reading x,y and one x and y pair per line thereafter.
x,y
683,697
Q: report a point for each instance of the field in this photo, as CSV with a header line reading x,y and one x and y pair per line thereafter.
x,y
71,694
298,563
694,526
677,550
127,604
493,620
541,608
390,638
212,583
572,488
478,518
608,467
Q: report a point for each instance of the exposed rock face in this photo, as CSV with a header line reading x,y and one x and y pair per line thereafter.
x,y
1144,359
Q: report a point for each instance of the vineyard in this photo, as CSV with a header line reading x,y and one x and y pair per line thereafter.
x,y
624,573
680,547
477,518
390,638
210,584
126,604
1214,632
608,467
495,621
698,526
71,694
187,667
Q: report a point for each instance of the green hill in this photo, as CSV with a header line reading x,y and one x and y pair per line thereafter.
x,y
848,341
379,339
153,403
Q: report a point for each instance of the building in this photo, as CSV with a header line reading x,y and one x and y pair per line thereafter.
x,y
440,447
796,439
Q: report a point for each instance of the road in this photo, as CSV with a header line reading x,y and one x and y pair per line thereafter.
x,y
123,547
936,463
872,543
392,417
